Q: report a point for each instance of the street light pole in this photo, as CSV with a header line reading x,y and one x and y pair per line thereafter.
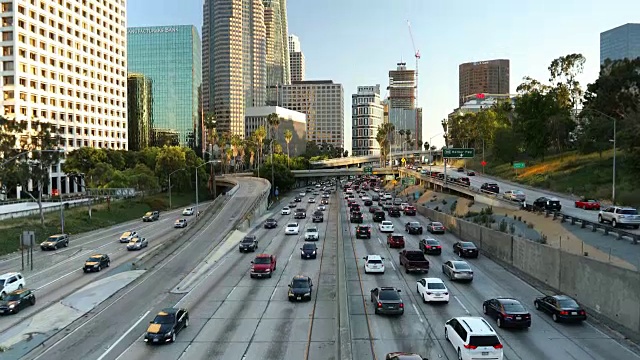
x,y
615,133
197,199
273,185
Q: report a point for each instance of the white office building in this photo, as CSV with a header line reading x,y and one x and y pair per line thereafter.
x,y
367,114
291,120
323,103
296,59
64,62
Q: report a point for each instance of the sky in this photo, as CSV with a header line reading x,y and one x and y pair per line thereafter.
x,y
357,42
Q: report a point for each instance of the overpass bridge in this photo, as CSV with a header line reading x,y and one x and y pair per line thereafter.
x,y
370,159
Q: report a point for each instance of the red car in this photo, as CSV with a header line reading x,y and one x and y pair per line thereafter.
x,y
588,204
410,210
395,241
263,265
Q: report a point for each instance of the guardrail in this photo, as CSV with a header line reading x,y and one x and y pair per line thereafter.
x,y
607,229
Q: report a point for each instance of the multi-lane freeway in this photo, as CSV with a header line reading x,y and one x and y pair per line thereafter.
x,y
233,316
421,328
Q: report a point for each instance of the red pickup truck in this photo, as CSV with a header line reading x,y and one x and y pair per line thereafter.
x,y
264,265
414,260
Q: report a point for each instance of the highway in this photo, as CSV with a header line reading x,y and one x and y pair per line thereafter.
x,y
62,278
567,202
233,316
421,328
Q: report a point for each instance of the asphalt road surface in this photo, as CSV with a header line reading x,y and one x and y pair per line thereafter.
x,y
421,328
91,335
567,202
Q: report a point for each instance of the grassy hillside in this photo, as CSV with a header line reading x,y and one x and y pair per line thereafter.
x,y
572,173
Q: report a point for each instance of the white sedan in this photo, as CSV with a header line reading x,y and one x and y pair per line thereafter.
x,y
292,229
373,264
386,226
285,211
432,289
187,212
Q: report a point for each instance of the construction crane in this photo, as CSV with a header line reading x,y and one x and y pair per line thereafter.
x,y
416,53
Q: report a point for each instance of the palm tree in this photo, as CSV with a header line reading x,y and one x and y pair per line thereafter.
x,y
407,134
383,137
236,143
212,135
288,135
426,146
250,147
274,122
222,143
260,135
229,153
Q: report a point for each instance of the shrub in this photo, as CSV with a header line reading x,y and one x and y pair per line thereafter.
x,y
503,225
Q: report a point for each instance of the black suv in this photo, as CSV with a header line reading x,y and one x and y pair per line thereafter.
x,y
308,251
387,300
378,216
363,231
16,301
300,214
545,203
413,227
368,202
318,216
465,249
298,199
490,188
249,243
96,263
394,211
270,224
356,217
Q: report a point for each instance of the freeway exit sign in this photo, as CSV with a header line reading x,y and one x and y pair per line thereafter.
x,y
458,153
518,165
409,180
368,170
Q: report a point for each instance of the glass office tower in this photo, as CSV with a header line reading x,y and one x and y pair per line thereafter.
x,y
620,43
170,56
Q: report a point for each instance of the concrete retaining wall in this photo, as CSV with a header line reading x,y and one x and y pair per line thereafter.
x,y
46,207
610,293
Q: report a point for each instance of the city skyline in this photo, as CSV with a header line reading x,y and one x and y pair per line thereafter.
x,y
438,73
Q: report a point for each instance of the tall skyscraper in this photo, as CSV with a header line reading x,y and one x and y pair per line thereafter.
x,y
620,43
483,77
67,66
278,73
140,111
296,59
323,103
233,60
170,56
367,114
403,114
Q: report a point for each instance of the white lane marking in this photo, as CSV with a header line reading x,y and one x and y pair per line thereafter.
x,y
609,337
231,292
123,336
380,241
273,293
167,261
393,266
290,256
417,313
56,280
184,352
461,304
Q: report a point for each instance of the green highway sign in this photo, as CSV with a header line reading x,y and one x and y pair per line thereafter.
x,y
368,170
518,165
458,153
416,155
409,180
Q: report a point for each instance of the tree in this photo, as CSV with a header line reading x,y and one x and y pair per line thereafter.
x,y
345,153
260,134
42,147
170,159
288,136
383,137
83,159
506,144
236,143
564,71
274,122
426,146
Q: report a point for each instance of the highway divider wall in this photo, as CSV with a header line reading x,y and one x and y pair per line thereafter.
x,y
259,207
610,293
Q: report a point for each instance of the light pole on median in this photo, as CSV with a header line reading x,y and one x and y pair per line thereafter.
x,y
197,185
170,203
613,184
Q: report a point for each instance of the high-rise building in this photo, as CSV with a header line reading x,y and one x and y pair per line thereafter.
x,y
140,111
67,66
296,59
620,43
367,113
233,61
483,77
277,50
170,57
323,103
402,111
294,121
